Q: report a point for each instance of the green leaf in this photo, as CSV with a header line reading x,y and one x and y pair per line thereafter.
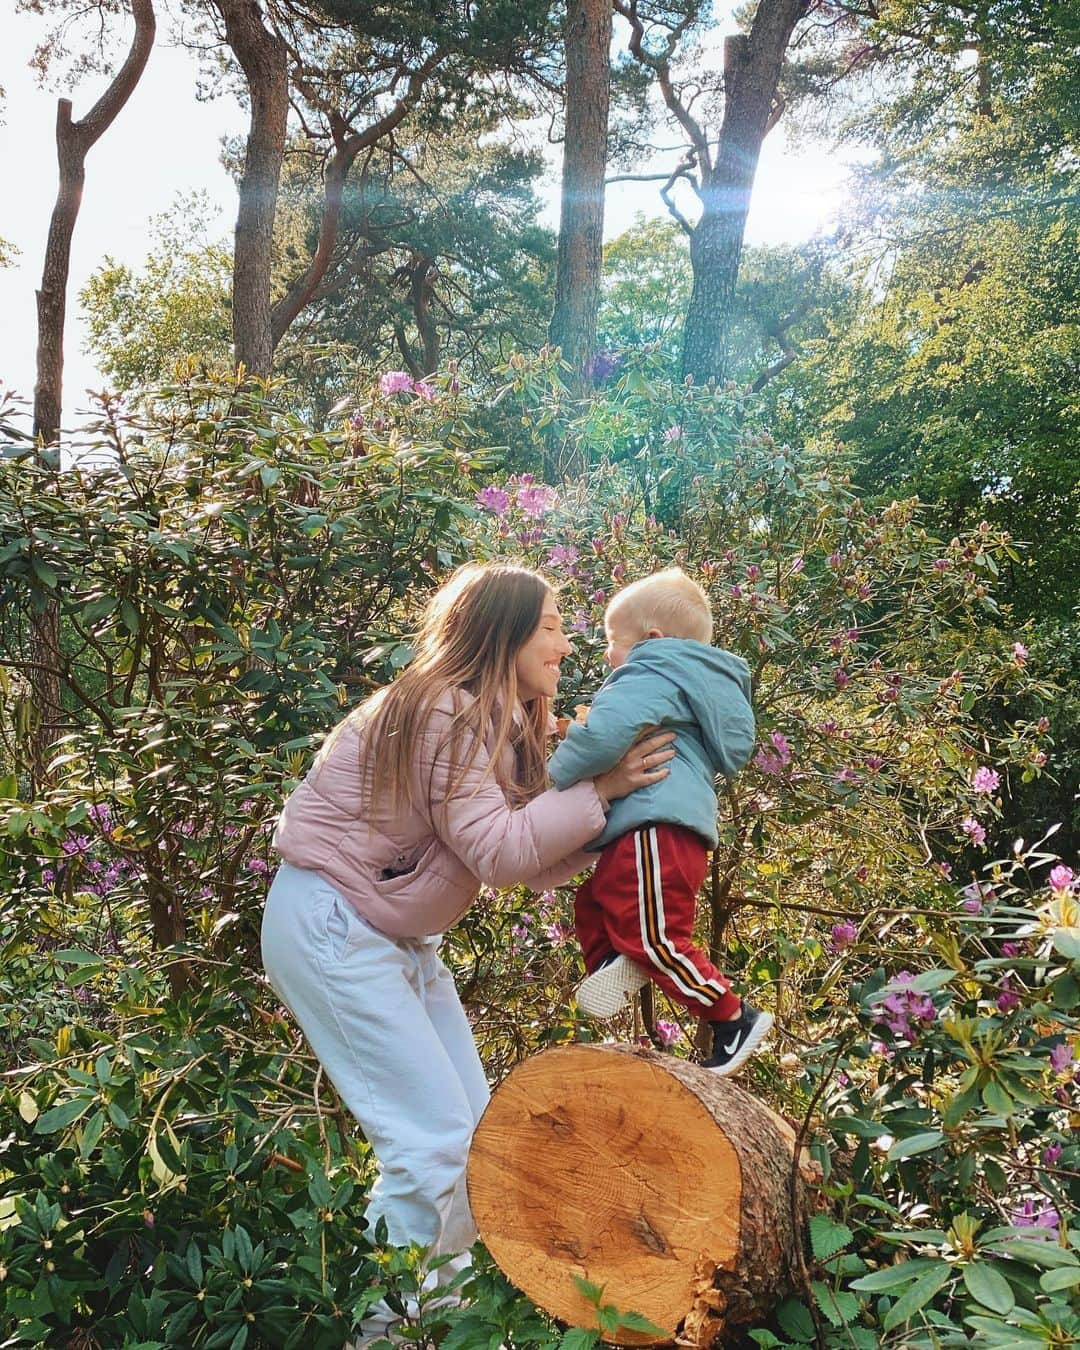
x,y
1034,1252
91,1134
827,1236
1067,942
796,1322
839,1306
579,1338
60,1117
916,1143
635,1321
997,1099
9,787
1064,1277
989,1287
894,1277
918,1296
593,1292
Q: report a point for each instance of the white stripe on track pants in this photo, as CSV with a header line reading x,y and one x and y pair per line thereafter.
x,y
384,1019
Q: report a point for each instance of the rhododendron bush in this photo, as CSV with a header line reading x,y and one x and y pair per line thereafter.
x,y
230,581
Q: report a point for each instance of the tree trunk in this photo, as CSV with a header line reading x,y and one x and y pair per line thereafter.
x,y
263,57
73,142
752,66
668,1187
581,224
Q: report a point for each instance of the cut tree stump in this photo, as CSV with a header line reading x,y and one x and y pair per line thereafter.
x,y
665,1185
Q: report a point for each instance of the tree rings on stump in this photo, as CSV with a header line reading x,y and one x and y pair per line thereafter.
x,y
658,1181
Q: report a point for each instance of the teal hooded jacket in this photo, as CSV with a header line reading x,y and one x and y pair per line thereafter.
x,y
697,691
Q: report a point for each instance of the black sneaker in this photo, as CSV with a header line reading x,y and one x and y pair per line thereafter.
x,y
734,1042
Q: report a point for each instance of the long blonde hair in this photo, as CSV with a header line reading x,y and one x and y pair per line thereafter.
x,y
471,632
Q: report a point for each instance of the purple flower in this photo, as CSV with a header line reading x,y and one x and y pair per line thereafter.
x,y
903,1005
672,434
1052,1155
841,678
667,1033
1010,949
973,830
940,564
257,865
75,845
753,572
1061,1057
395,382
797,566
974,896
985,780
774,761
1008,998
1030,1216
1062,878
1020,653
847,775
873,763
424,390
843,935
494,499
603,365
562,555
101,814
536,501
558,933
48,875
580,622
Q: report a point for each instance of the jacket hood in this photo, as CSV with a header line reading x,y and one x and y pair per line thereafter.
x,y
716,685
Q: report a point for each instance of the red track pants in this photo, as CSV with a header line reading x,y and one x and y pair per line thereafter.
x,y
641,901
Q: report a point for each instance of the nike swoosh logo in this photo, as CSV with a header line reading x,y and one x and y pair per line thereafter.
x,y
732,1046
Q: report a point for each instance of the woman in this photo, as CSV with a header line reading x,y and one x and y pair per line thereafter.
x,y
435,786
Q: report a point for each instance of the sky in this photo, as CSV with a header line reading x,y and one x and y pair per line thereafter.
x,y
166,144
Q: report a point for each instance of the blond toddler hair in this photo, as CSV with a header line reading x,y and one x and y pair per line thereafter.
x,y
667,601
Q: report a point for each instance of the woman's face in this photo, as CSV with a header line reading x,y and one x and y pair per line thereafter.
x,y
537,663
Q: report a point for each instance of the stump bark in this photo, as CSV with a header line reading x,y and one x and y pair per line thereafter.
x,y
669,1187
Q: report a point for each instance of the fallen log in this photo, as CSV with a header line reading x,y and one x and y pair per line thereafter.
x,y
659,1182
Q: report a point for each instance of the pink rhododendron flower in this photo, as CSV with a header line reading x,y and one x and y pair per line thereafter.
x,y
797,566
1020,653
667,1032
843,935
1062,877
1052,1155
1036,1215
494,499
1061,1057
536,501
841,678
425,390
1008,998
985,780
672,434
973,830
395,382
562,555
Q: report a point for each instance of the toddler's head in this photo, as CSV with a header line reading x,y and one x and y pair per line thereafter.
x,y
667,604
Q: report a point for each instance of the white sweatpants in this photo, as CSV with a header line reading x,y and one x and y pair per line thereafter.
x,y
384,1019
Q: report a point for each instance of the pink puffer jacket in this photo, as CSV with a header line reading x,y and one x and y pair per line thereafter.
x,y
415,871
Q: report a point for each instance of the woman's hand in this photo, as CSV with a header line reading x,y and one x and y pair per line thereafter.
x,y
644,763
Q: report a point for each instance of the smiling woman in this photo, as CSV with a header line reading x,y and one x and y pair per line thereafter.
x,y
433,787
